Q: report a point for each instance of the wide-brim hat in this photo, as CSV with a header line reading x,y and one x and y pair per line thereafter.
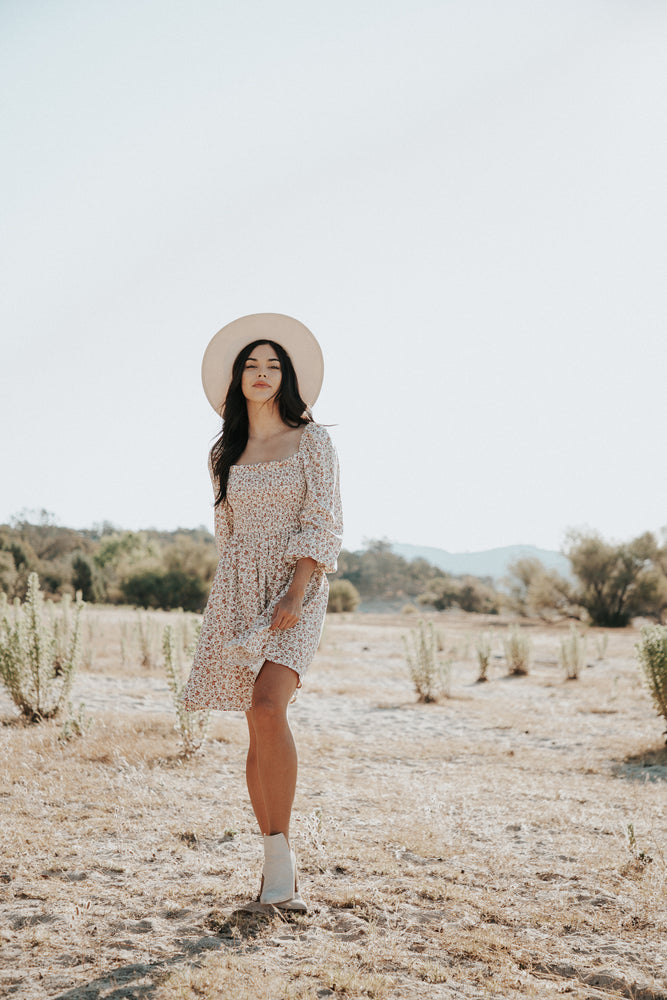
x,y
298,341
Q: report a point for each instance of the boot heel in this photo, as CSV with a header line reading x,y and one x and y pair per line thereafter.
x,y
297,903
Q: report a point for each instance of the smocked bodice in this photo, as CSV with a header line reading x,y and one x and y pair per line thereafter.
x,y
266,498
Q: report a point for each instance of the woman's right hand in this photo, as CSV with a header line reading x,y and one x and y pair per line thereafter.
x,y
287,612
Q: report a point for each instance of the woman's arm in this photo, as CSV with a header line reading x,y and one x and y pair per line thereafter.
x,y
319,539
289,607
320,534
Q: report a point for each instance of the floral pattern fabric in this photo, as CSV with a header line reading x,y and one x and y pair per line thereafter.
x,y
275,514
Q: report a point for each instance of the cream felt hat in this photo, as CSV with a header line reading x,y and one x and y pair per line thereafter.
x,y
298,341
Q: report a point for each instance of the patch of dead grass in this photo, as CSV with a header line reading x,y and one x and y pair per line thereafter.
x,y
472,848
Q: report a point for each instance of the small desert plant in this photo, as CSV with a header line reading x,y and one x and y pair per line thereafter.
x,y
601,646
483,648
572,654
429,675
124,643
39,652
75,724
87,655
518,648
343,596
148,639
187,626
639,856
193,726
652,654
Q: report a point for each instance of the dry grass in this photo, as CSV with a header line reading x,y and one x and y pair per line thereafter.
x,y
507,842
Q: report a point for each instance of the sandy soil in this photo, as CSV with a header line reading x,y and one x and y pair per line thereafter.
x,y
508,841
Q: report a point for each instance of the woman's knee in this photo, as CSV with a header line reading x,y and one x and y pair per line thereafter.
x,y
268,714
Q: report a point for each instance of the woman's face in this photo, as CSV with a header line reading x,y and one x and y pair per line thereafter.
x,y
261,376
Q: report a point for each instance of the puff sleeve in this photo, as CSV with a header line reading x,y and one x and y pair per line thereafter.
x,y
222,514
321,517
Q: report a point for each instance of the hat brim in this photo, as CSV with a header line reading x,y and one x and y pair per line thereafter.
x,y
298,341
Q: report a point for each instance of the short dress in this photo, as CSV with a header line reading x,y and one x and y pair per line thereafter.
x,y
275,513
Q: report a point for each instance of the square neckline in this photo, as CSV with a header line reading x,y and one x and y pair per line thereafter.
x,y
276,461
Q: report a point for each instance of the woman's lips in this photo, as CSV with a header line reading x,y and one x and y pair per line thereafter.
x,y
260,385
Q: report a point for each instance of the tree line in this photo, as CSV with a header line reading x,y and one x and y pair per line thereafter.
x,y
610,583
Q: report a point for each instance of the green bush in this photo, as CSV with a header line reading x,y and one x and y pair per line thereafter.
x,y
378,572
478,596
617,582
469,593
87,578
535,590
17,561
8,573
652,653
173,589
343,596
39,652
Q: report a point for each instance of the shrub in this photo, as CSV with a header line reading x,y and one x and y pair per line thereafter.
x,y
343,596
193,726
378,572
469,593
517,646
75,725
173,589
535,590
478,596
87,578
193,555
483,645
572,654
617,582
148,640
429,676
652,653
8,573
39,652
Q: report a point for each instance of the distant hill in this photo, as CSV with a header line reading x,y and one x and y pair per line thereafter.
x,y
491,562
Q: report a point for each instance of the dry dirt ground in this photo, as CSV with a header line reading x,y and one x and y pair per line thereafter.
x,y
508,841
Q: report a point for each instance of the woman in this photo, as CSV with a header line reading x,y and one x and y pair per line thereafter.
x,y
278,529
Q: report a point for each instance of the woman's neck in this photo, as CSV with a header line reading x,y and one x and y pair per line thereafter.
x,y
264,420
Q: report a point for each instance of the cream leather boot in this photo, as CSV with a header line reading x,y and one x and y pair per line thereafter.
x,y
279,881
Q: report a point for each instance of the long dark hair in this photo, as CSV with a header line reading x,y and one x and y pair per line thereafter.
x,y
233,438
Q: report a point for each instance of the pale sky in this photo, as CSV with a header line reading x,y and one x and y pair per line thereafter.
x,y
465,201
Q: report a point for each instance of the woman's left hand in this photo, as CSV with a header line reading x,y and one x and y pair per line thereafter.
x,y
287,612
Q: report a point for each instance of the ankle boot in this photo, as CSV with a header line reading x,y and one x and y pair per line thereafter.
x,y
279,882
278,872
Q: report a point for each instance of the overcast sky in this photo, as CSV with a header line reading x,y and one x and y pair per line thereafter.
x,y
465,201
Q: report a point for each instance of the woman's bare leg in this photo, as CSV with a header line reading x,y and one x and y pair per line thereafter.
x,y
272,764
252,780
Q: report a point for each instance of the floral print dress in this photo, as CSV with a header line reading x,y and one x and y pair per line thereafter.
x,y
275,513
